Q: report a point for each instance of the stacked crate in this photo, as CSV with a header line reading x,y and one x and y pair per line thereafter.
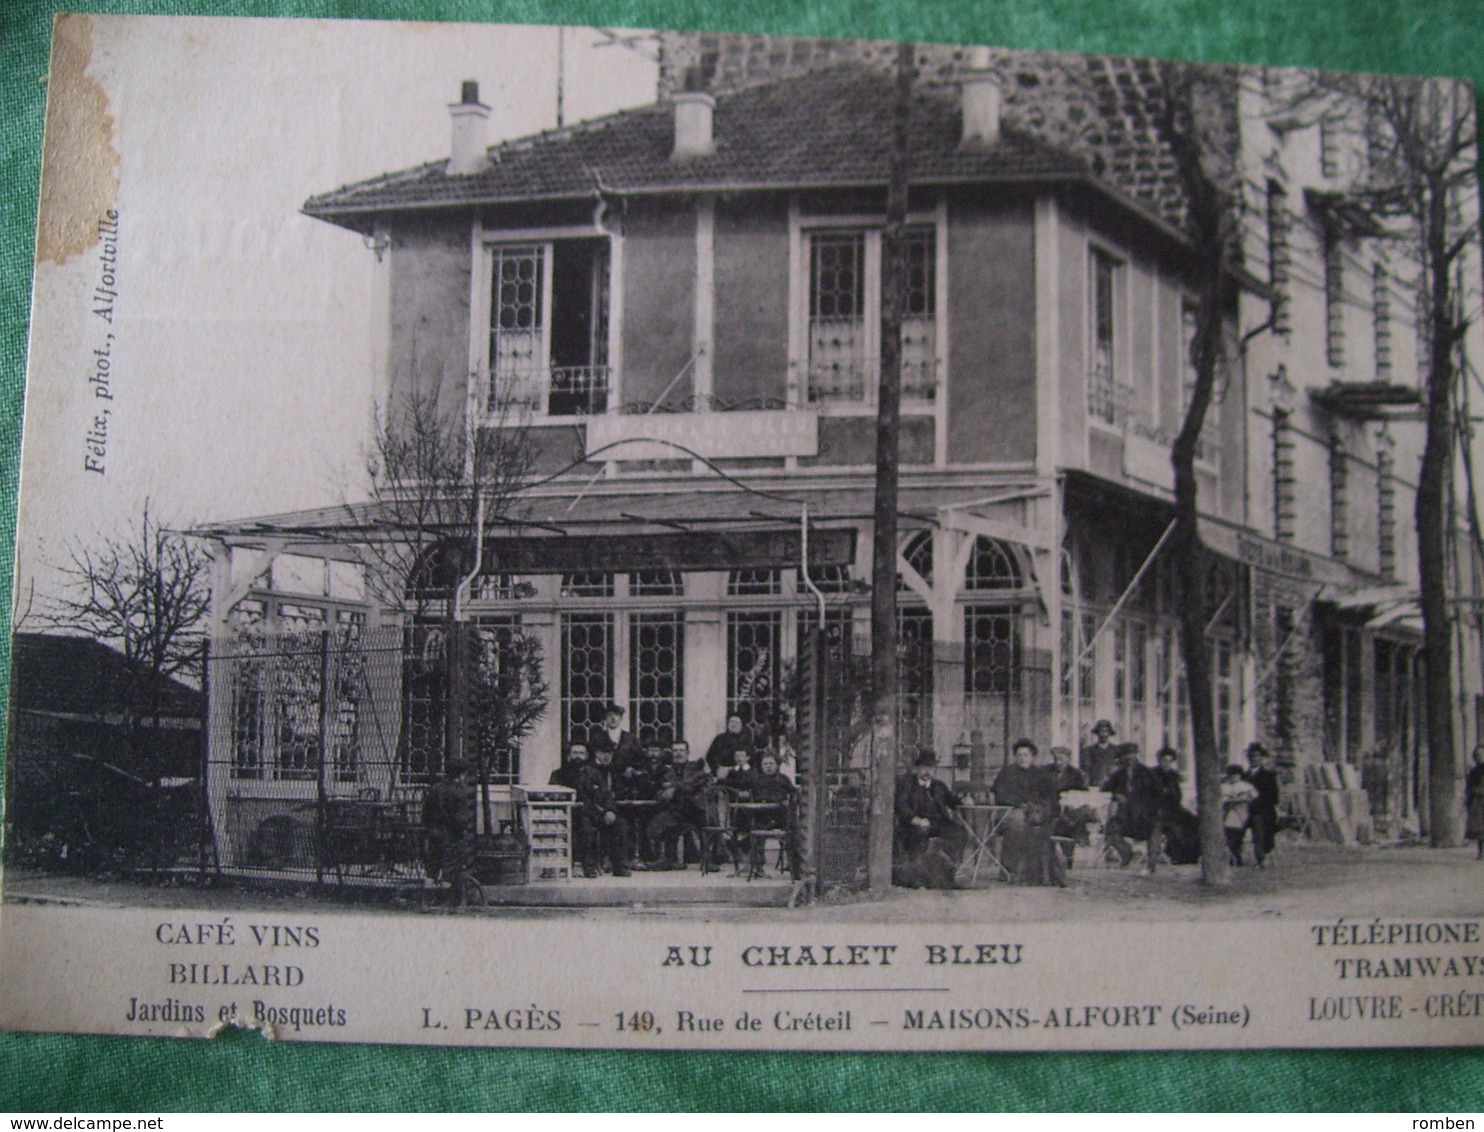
x,y
1335,806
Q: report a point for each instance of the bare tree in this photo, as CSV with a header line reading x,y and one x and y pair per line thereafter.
x,y
433,484
438,489
1420,191
1194,119
146,592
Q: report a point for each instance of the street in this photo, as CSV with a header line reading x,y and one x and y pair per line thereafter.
x,y
1310,881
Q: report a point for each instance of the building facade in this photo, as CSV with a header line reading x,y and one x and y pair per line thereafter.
x,y
677,310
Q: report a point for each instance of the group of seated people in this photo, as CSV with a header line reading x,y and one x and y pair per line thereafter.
x,y
1038,834
646,804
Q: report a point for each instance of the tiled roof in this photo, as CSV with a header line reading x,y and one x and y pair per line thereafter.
x,y
829,127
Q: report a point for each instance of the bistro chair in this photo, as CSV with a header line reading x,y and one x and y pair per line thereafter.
x,y
718,831
780,833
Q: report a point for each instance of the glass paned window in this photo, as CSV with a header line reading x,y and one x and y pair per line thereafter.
x,y
587,585
1279,260
750,582
752,669
991,650
914,677
655,583
657,676
549,326
587,672
1334,298
1105,400
1138,680
1225,689
920,316
834,579
839,345
424,701
991,567
1086,672
517,326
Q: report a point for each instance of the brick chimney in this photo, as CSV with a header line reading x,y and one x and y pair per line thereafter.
x,y
468,116
981,102
693,134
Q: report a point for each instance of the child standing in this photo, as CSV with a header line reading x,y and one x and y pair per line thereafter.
x,y
1237,796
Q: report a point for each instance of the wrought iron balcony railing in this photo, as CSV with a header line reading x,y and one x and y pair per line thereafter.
x,y
555,391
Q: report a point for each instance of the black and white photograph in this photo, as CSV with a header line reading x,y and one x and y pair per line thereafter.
x,y
853,534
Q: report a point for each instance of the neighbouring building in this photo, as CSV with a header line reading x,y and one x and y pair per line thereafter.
x,y
678,308
103,759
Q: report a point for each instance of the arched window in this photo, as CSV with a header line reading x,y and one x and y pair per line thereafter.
x,y
829,579
656,583
751,582
992,567
587,585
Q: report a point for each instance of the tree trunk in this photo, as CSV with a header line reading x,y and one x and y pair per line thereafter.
x,y
1212,235
884,547
1189,564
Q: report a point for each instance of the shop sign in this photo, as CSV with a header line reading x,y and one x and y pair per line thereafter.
x,y
761,433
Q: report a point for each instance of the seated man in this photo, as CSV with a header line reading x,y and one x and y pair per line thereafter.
x,y
598,830
682,812
640,780
927,810
1026,831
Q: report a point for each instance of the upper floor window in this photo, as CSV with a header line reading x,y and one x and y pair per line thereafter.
x,y
1381,313
1279,258
1330,141
1339,498
844,315
1334,298
1107,396
548,328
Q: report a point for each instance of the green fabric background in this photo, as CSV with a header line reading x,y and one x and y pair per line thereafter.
x,y
243,1072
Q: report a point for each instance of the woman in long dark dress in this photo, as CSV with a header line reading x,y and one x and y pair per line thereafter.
x,y
1475,795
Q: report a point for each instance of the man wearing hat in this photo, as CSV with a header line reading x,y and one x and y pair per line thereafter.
x,y
1100,758
626,749
1262,814
926,809
598,830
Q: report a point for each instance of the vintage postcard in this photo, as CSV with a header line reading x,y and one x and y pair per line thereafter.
x,y
591,537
